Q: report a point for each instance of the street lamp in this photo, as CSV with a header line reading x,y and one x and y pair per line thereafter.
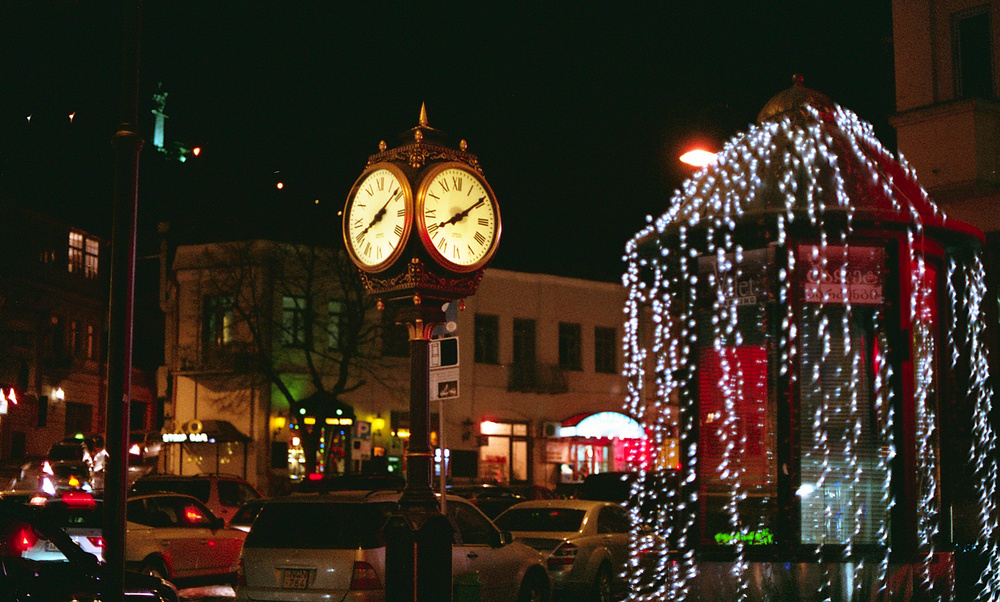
x,y
698,157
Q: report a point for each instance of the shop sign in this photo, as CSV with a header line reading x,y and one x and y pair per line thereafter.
x,y
745,282
188,432
842,275
557,452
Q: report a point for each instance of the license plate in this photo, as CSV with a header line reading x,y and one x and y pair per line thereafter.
x,y
295,578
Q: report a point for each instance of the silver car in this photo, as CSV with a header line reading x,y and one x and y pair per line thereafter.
x,y
177,538
313,547
585,543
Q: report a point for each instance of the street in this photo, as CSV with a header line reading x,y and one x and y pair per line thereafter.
x,y
208,593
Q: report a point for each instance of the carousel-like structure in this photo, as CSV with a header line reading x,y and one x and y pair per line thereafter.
x,y
817,325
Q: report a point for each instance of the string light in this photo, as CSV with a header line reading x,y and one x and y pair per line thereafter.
x,y
803,168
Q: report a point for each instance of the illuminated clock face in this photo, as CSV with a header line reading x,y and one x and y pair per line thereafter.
x,y
458,218
377,217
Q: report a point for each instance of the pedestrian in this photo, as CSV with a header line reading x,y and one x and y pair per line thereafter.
x,y
98,462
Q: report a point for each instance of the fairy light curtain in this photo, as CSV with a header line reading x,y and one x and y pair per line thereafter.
x,y
787,312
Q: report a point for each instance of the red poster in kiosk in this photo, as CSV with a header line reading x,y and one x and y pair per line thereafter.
x,y
842,275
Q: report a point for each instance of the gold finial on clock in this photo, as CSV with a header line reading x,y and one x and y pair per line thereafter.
x,y
423,115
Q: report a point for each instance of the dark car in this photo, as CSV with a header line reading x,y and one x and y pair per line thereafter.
x,y
46,479
70,449
222,493
353,482
77,576
494,499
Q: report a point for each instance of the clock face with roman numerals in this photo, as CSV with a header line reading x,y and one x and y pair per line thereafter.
x,y
457,217
378,217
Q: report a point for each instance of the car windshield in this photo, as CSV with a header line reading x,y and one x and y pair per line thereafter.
x,y
320,525
66,452
66,515
65,471
541,519
196,489
246,514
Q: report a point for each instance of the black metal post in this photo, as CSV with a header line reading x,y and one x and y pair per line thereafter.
x,y
419,537
127,145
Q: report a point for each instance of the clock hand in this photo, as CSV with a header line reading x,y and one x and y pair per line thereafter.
x,y
461,214
381,212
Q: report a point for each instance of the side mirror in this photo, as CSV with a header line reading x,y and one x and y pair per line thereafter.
x,y
217,523
505,538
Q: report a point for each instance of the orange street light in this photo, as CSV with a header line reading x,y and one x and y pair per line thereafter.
x,y
698,157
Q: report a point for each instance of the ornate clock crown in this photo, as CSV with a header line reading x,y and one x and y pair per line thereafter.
x,y
423,144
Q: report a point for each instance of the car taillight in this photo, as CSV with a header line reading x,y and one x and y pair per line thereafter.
x,y
79,499
563,557
241,575
96,540
364,576
24,539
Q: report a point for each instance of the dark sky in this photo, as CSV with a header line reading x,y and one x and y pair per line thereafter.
x,y
576,111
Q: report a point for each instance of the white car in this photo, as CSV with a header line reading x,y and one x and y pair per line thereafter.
x,y
585,543
79,515
177,538
313,547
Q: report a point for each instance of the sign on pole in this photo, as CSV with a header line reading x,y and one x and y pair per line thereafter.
x,y
443,360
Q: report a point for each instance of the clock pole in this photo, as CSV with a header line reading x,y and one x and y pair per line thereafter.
x,y
415,253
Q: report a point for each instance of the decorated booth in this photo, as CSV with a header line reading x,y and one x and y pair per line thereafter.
x,y
816,324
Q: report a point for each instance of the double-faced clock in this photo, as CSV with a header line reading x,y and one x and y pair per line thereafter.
x,y
458,218
378,217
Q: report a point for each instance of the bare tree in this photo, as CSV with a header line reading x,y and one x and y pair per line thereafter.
x,y
299,313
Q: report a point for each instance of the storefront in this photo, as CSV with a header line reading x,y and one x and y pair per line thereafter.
x,y
587,444
206,446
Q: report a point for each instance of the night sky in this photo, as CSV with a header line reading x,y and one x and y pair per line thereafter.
x,y
577,111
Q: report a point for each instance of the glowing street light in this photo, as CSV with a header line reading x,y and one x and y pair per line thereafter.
x,y
698,157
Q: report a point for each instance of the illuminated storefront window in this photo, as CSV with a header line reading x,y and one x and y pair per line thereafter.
x,y
504,458
841,473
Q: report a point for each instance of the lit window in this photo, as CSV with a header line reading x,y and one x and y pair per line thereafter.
x,y
83,255
75,252
92,251
219,319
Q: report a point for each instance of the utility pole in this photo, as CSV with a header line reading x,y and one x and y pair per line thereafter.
x,y
127,144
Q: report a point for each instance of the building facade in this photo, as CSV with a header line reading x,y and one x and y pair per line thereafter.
x,y
53,316
533,394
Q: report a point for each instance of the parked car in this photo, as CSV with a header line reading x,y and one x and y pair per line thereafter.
x,y
78,575
223,494
45,478
494,499
352,482
80,516
177,537
330,546
585,543
244,517
72,449
144,447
